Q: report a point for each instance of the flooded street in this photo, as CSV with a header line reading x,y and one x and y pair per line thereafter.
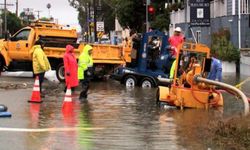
x,y
112,118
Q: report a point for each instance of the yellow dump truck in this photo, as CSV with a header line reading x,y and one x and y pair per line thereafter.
x,y
15,52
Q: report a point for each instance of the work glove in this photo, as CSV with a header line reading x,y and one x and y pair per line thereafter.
x,y
88,73
67,74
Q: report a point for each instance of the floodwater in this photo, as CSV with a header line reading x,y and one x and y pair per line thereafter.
x,y
113,118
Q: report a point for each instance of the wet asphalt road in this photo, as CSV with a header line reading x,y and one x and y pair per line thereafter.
x,y
112,118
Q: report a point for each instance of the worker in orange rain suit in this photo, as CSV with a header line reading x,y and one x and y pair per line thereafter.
x,y
85,70
176,39
70,68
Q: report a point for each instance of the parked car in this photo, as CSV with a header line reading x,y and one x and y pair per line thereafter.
x,y
105,41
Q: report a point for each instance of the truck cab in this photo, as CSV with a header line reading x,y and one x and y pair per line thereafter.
x,y
20,44
148,62
15,54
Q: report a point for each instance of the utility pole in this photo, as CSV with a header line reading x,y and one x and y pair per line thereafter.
x,y
147,22
239,23
49,6
88,17
16,7
5,18
89,22
38,14
95,35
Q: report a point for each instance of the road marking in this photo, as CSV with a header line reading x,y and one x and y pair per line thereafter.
x,y
48,129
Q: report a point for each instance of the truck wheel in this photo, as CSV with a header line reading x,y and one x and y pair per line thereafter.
x,y
1,63
147,83
60,73
130,81
157,97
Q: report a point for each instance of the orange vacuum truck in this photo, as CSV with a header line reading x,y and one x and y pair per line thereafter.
x,y
15,51
189,87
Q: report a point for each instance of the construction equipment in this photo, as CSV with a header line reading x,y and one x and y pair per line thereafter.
x,y
189,87
15,52
149,61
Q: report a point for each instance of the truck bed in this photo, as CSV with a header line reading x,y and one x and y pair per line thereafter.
x,y
102,54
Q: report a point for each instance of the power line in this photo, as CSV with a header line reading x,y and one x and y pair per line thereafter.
x,y
8,4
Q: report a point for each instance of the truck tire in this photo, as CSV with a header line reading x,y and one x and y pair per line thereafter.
x,y
130,81
1,63
147,83
157,97
60,73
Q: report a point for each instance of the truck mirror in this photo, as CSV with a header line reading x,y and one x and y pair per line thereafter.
x,y
207,66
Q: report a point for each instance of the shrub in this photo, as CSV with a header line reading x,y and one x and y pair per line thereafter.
x,y
222,47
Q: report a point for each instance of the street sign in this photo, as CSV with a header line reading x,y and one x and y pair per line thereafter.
x,y
100,26
100,34
199,12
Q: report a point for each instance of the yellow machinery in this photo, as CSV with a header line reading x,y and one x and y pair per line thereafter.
x,y
189,87
192,60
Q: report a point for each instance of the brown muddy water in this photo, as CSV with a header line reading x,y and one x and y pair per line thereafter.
x,y
116,118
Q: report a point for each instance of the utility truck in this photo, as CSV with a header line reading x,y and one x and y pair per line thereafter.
x,y
15,52
149,61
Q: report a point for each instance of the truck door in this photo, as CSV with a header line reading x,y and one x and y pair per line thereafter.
x,y
18,46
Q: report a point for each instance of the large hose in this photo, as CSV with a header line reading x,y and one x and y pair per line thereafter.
x,y
228,87
165,80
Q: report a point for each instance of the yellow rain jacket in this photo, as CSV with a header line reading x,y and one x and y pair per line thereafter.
x,y
172,70
40,60
84,61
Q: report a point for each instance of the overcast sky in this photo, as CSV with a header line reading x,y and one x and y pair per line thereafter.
x,y
60,9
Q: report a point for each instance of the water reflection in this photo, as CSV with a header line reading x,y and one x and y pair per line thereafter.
x,y
130,119
85,137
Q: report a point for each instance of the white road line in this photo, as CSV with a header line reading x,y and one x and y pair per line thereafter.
x,y
47,129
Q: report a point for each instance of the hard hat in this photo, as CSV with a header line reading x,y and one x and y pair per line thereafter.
x,y
177,29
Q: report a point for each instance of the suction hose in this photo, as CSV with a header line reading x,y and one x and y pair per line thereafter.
x,y
165,80
198,78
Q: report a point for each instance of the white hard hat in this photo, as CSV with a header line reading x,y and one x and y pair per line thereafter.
x,y
177,29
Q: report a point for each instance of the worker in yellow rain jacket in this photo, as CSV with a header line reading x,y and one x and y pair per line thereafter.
x,y
40,62
85,70
172,70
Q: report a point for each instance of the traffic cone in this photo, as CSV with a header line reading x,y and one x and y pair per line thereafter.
x,y
67,103
36,96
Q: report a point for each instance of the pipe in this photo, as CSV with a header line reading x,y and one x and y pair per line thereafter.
x,y
198,78
165,80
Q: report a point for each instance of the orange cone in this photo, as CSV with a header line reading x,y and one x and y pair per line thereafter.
x,y
36,96
67,103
